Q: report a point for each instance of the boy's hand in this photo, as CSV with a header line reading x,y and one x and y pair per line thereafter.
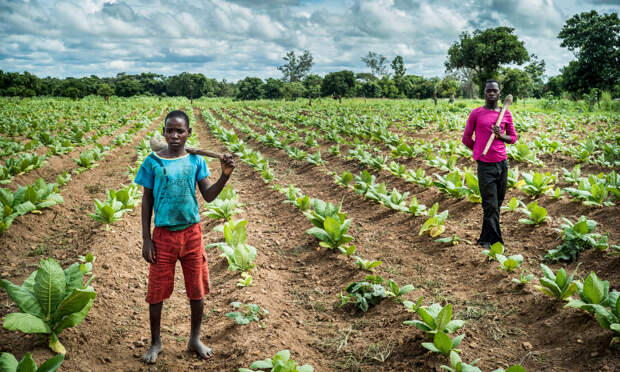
x,y
148,251
228,164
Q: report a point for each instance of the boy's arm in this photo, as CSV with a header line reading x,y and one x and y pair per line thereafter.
x,y
148,248
210,192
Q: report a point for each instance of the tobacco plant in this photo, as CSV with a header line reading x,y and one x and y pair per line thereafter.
x,y
576,238
240,256
537,183
367,265
416,208
509,263
559,285
434,225
8,363
397,292
442,343
51,299
224,206
592,191
333,233
281,362
436,318
535,214
364,294
247,313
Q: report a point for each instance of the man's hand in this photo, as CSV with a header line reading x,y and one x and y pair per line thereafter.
x,y
148,251
497,130
498,134
228,164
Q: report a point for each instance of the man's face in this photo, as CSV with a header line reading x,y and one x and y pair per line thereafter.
x,y
176,133
491,92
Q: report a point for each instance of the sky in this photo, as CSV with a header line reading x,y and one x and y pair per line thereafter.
x,y
237,38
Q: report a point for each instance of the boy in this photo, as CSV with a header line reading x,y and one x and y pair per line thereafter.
x,y
492,167
169,179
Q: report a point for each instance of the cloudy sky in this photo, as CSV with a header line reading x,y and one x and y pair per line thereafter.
x,y
237,38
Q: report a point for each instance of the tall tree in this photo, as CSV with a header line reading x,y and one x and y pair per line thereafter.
x,y
595,41
376,62
250,88
536,70
485,52
296,68
398,66
340,83
105,91
516,82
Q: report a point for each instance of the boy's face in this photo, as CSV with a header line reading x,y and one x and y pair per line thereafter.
x,y
491,92
176,133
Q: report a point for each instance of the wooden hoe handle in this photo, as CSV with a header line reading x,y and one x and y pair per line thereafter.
x,y
507,102
158,145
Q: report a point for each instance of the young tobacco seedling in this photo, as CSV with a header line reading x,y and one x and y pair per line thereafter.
x,y
248,313
333,234
576,238
452,240
434,225
281,362
513,205
245,281
368,265
509,263
224,206
364,294
523,279
436,318
535,214
397,292
559,286
240,256
345,179
416,208
512,368
496,249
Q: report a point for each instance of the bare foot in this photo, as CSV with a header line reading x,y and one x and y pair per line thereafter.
x,y
151,356
203,351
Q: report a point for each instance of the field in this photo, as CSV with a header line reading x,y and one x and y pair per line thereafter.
x,y
394,150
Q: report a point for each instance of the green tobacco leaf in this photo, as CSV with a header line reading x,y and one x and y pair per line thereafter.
x,y
73,319
73,278
26,323
27,364
8,362
51,364
262,364
74,302
444,317
49,286
443,342
593,289
24,299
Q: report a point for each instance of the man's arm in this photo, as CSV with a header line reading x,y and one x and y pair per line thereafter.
x,y
210,192
469,131
511,134
148,248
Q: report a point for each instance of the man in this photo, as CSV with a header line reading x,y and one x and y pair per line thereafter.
x,y
169,178
492,167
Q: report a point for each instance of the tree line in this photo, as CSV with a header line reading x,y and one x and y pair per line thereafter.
x,y
476,57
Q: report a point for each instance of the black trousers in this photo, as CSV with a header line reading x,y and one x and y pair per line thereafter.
x,y
492,181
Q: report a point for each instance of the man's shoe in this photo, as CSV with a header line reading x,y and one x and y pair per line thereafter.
x,y
486,245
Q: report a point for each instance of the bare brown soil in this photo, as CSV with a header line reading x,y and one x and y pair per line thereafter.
x,y
299,283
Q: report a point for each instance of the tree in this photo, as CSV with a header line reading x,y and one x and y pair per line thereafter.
x,y
312,83
595,41
370,89
295,69
516,82
554,86
250,88
272,88
398,66
127,86
536,70
485,52
448,87
341,83
376,62
190,86
105,90
468,87
388,87
292,91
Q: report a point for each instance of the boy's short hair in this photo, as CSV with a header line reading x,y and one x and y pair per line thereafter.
x,y
493,81
177,114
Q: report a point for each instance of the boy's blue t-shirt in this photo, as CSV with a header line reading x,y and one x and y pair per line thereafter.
x,y
173,182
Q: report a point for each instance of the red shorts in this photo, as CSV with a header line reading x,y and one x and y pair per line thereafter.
x,y
186,246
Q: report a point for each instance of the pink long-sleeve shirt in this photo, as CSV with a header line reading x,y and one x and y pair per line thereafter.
x,y
481,121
